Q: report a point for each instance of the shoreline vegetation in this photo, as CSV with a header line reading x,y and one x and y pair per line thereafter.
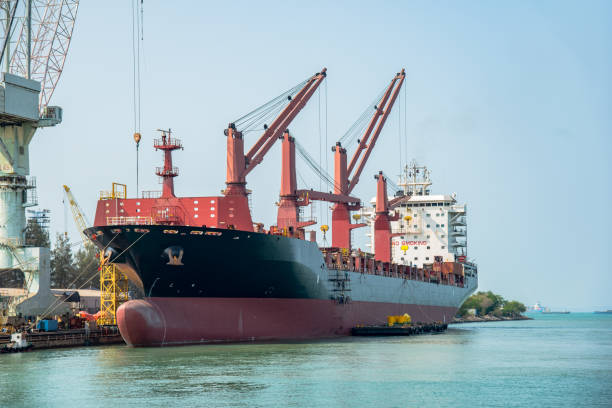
x,y
489,307
488,318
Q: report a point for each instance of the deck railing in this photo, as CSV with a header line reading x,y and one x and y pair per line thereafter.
x,y
443,273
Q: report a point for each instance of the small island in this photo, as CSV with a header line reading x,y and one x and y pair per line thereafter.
x,y
487,307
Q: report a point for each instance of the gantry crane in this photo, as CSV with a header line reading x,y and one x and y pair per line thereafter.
x,y
113,282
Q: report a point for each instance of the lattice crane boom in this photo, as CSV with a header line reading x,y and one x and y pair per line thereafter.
x,y
378,119
40,40
77,214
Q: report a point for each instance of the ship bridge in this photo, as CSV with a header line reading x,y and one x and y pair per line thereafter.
x,y
430,227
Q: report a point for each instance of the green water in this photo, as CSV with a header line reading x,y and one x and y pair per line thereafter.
x,y
552,361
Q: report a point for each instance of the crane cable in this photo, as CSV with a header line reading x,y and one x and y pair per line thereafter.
x,y
358,127
137,37
321,149
55,304
52,307
258,116
314,166
394,187
399,132
326,156
8,30
405,127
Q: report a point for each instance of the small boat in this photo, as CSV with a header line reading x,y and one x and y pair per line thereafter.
x,y
609,311
18,344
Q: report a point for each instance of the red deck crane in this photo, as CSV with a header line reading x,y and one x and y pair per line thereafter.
x,y
345,179
239,164
382,221
291,198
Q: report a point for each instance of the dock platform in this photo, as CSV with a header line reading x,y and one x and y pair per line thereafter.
x,y
399,330
70,338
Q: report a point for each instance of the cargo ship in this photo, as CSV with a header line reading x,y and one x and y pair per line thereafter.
x,y
209,273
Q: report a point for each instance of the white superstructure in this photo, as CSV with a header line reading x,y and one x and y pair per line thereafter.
x,y
428,227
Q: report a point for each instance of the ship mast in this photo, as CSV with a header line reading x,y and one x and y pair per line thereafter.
x,y
415,180
167,144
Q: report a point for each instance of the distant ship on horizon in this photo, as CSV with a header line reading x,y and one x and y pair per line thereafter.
x,y
537,307
609,311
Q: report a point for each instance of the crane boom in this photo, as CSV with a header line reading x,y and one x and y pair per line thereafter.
x,y
286,118
77,214
344,183
275,124
382,112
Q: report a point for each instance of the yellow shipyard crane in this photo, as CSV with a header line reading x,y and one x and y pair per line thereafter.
x,y
113,283
77,215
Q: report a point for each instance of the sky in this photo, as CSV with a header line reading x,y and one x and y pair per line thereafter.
x,y
508,104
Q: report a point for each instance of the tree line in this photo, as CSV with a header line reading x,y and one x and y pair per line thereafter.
x,y
489,303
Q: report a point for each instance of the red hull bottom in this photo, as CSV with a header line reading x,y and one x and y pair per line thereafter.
x,y
173,321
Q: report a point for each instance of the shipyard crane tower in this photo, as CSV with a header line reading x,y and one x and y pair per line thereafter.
x,y
36,36
114,284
